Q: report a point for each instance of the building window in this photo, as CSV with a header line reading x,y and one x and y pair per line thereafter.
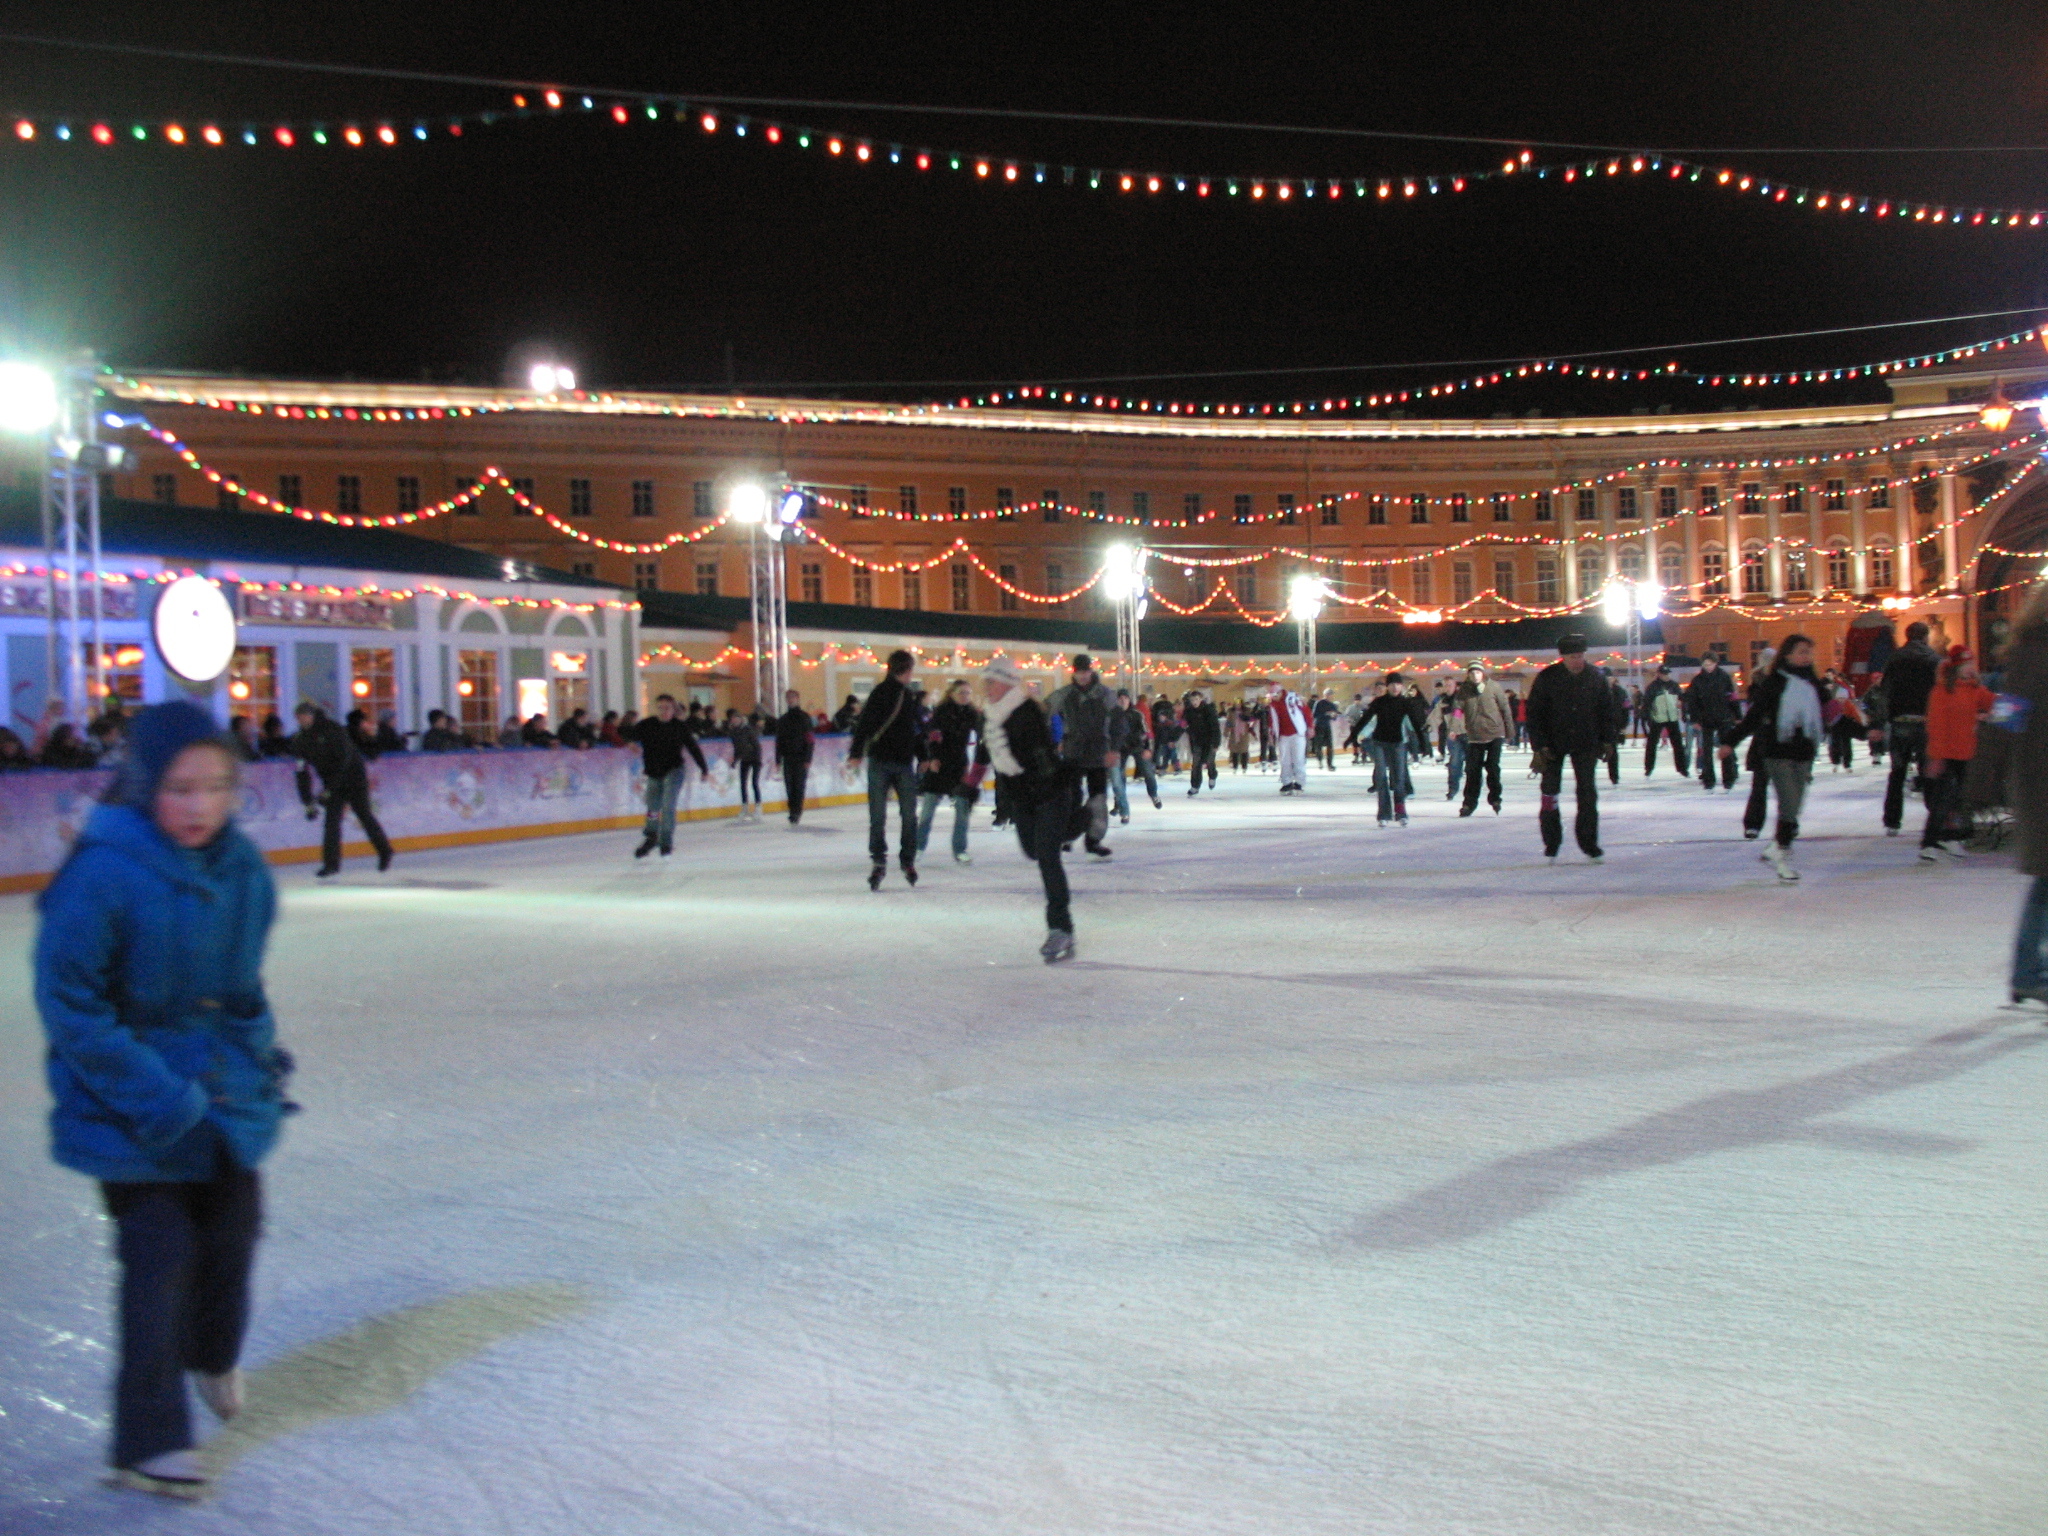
x,y
583,568
1377,581
701,504
1589,505
1055,578
1628,562
1880,568
1592,571
1795,499
373,681
1006,503
1420,585
476,694
1878,494
1098,503
474,505
1835,496
1714,573
1241,507
643,498
956,501
1246,584
1049,506
1141,505
287,490
1006,576
1755,580
1329,516
1285,503
1504,579
1503,507
348,495
811,581
1667,501
1838,569
579,498
230,501
1191,505
1418,508
857,501
1461,581
1376,511
864,589
252,682
647,576
166,489
1710,500
1546,509
1671,566
408,493
1546,579
522,487
906,500
962,592
1625,505
1798,571
707,578
1461,507
1752,499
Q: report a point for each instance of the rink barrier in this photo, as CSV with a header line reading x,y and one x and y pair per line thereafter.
x,y
425,800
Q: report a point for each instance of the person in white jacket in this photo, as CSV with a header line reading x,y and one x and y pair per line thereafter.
x,y
1288,718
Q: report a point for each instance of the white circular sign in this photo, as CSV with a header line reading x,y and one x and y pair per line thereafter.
x,y
195,629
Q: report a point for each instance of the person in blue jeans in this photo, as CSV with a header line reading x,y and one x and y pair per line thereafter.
x,y
886,738
167,1078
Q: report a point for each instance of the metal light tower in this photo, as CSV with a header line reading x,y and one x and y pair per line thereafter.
x,y
767,588
1625,602
1305,597
1123,583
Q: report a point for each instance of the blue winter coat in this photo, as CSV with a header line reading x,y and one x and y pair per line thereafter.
x,y
148,977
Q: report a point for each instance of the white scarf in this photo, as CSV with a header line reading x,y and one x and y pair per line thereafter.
x,y
1798,709
996,736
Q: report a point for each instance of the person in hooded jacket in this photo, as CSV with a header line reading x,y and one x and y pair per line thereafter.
x,y
1710,706
1572,717
952,747
324,748
164,1067
1784,715
1040,790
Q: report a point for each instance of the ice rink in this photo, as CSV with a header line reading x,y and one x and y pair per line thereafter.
x,y
1350,1181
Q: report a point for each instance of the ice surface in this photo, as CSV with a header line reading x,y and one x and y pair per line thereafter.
x,y
1350,1181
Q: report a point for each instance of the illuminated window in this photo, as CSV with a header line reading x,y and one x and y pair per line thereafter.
x,y
579,498
373,681
476,694
348,495
252,682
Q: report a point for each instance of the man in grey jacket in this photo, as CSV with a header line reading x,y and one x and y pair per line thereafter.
x,y
1489,720
1083,707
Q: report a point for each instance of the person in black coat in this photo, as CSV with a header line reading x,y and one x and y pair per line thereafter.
x,y
663,739
885,737
322,746
1710,706
952,751
1785,721
795,739
1572,718
1205,736
1130,733
1903,689
1041,792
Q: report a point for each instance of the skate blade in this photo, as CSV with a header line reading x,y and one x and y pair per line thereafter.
x,y
162,1487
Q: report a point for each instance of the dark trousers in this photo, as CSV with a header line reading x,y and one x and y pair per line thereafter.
x,y
1709,756
186,1251
885,779
750,774
1759,797
1659,730
1585,768
1321,749
353,794
1948,813
1482,757
1842,743
1041,830
1612,757
793,776
1201,760
1908,746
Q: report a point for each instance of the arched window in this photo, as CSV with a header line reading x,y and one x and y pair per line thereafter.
x,y
1628,560
1839,568
1671,565
1882,570
1798,570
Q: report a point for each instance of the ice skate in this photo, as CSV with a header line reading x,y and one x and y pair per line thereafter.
x,y
910,874
222,1394
173,1475
384,861
1058,946
875,876
1777,858
963,857
1100,850
646,847
1929,856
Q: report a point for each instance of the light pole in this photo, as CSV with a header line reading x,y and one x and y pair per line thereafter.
x,y
1625,602
1305,596
767,592
1123,583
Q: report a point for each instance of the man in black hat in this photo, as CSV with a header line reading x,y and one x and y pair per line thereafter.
x,y
1572,717
1083,707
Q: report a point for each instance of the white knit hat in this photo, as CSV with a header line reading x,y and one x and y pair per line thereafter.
x,y
1003,670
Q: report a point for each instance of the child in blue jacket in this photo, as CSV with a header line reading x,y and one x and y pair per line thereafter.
x,y
166,1075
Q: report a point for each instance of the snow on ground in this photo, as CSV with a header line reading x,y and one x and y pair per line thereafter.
x,y
1349,1181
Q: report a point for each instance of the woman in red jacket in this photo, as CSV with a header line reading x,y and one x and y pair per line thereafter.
x,y
1956,704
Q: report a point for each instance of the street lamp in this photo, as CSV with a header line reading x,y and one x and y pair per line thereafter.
x,y
551,378
1305,597
1123,583
1625,602
748,505
28,398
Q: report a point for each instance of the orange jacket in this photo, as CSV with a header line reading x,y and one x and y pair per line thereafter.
x,y
1952,720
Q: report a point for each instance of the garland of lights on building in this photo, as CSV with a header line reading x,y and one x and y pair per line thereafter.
x,y
85,578
1279,189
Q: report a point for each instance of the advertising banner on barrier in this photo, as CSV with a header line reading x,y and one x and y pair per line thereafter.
x,y
424,799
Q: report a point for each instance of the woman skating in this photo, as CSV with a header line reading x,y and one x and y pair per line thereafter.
x,y
1784,716
166,1073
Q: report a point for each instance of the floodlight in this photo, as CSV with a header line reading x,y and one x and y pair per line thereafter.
x,y
551,378
1649,597
1119,573
1305,596
1614,602
791,507
746,502
28,398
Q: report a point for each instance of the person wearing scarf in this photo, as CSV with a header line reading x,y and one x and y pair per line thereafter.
x,y
1784,715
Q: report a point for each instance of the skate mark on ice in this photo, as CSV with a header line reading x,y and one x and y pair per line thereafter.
x,y
381,1362
413,883
1488,1198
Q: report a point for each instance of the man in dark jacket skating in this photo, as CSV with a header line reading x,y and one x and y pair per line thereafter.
x,y
1084,706
323,747
1040,788
795,737
1572,717
1710,705
664,738
886,738
1205,735
1908,680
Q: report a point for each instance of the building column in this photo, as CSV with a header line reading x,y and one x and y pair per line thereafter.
x,y
1774,552
1859,554
1951,500
1694,575
1568,553
1904,554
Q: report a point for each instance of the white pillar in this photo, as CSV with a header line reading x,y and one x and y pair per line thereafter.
x,y
1951,502
1774,552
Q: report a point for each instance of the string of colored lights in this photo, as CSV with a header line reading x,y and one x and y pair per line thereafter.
x,y
1277,189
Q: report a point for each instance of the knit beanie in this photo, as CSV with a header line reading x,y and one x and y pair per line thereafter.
x,y
155,738
1003,670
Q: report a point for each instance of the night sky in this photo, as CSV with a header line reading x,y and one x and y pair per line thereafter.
x,y
644,254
